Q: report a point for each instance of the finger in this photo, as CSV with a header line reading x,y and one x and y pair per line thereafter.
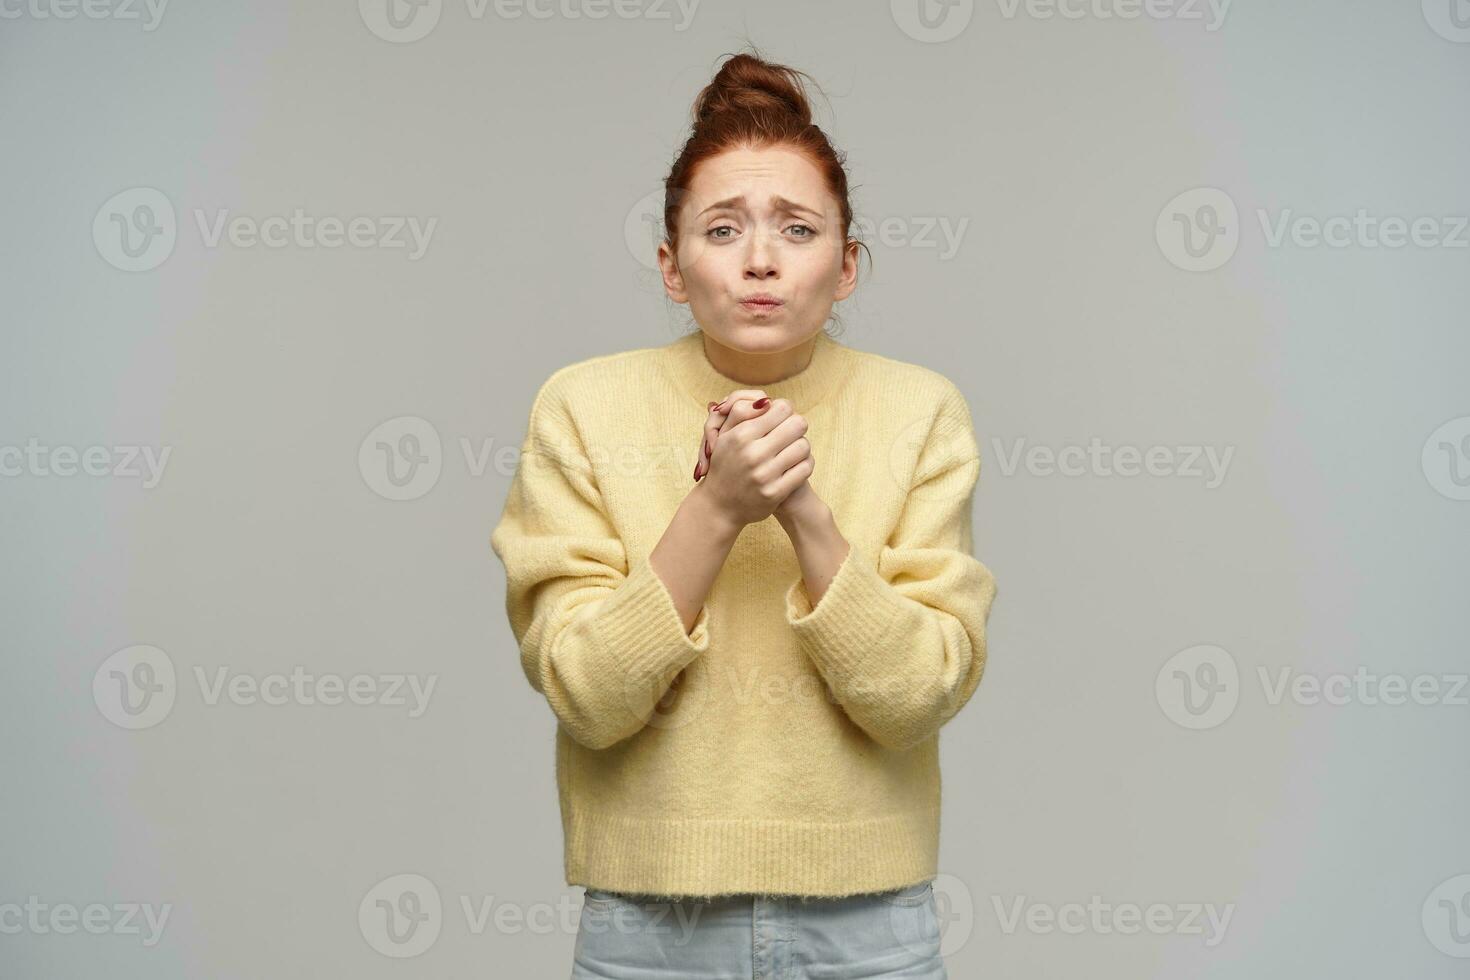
x,y
787,483
749,393
701,460
712,428
756,422
782,434
798,450
713,423
742,401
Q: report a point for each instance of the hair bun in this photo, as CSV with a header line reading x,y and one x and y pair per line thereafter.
x,y
754,105
751,85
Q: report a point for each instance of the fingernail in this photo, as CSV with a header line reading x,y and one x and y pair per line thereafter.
x,y
706,448
713,406
762,403
696,472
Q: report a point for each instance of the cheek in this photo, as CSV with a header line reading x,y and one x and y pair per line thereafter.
x,y
816,273
704,268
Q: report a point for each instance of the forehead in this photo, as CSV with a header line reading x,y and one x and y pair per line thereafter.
x,y
758,174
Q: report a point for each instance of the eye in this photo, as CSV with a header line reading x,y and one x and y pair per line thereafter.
x,y
810,231
711,232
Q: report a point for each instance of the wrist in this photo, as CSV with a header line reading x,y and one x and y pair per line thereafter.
x,y
709,514
807,515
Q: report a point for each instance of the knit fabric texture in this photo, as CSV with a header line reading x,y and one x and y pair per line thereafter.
x,y
777,748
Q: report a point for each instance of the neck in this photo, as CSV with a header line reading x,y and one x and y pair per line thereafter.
x,y
759,369
804,374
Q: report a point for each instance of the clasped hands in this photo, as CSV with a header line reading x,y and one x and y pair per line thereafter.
x,y
754,464
756,458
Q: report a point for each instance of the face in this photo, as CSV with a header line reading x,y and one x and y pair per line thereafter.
x,y
759,223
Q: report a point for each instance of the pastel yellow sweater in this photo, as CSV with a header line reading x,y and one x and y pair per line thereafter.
x,y
776,748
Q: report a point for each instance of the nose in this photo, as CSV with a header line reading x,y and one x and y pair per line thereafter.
x,y
760,257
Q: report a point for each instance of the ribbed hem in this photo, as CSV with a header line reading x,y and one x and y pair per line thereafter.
x,y
705,858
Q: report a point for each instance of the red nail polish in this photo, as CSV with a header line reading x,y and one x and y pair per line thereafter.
x,y
696,472
762,403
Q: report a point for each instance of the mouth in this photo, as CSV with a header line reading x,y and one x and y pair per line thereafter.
x,y
762,303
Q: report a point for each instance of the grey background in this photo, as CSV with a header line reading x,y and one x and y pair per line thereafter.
x,y
1329,545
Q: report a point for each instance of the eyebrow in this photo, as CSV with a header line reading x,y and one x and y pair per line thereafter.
x,y
738,201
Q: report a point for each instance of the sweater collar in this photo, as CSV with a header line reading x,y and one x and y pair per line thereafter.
x,y
694,373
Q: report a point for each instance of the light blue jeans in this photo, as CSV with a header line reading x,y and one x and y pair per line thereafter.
x,y
630,937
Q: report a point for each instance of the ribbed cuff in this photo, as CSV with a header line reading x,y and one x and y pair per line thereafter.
x,y
640,629
850,621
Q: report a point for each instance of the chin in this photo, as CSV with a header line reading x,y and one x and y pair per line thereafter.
x,y
759,338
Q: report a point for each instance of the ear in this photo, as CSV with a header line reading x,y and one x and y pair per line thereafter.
x,y
847,281
673,278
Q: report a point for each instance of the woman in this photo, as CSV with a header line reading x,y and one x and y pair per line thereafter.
x,y
748,709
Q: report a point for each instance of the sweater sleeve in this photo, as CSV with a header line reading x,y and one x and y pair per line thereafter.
x,y
599,633
901,641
